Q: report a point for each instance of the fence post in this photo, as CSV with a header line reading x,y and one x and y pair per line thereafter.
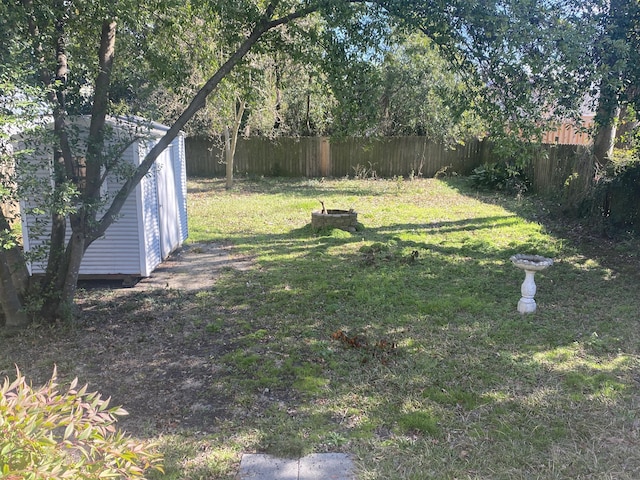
x,y
325,157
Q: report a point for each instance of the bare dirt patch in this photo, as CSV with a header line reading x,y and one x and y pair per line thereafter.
x,y
194,267
151,347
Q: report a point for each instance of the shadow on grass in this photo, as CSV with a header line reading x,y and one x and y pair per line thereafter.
x,y
326,238
311,188
619,253
254,362
468,379
454,304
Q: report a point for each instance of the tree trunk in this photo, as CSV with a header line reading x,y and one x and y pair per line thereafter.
x,y
14,282
614,63
605,137
51,285
307,113
15,260
14,313
626,129
73,259
95,145
57,238
277,120
63,266
231,140
228,158
60,293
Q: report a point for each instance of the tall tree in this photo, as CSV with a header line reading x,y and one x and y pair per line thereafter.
x,y
231,140
423,95
49,35
617,57
508,43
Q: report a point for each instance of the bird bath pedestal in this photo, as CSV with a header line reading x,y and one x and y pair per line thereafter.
x,y
530,264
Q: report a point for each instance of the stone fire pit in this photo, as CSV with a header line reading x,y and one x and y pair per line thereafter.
x,y
333,218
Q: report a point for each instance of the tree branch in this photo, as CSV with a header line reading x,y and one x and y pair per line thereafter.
x,y
198,102
99,109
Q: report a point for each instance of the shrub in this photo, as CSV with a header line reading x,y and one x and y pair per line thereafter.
x,y
503,176
45,434
510,163
615,199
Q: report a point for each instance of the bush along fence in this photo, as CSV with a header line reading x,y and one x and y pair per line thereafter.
x,y
567,169
553,169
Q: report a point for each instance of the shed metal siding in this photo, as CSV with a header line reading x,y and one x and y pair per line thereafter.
x,y
150,213
118,251
132,245
179,166
168,203
36,229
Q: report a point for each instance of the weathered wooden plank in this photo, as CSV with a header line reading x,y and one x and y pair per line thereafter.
x,y
387,157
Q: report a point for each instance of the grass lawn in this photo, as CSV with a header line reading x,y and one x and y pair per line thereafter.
x,y
401,343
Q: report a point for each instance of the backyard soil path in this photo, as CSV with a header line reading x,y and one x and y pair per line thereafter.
x,y
155,348
194,267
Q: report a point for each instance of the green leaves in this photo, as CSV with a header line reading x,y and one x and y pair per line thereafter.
x,y
47,434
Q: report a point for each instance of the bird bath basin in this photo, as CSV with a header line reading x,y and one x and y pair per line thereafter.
x,y
530,264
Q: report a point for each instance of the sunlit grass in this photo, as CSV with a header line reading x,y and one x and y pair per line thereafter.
x,y
466,387
472,389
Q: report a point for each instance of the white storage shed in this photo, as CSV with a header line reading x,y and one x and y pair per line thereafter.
x,y
152,222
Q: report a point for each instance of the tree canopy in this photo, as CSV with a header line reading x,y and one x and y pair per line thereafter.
x,y
616,58
519,61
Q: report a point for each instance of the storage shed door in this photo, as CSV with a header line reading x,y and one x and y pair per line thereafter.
x,y
168,217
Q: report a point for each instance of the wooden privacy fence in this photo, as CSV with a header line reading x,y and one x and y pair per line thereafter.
x,y
552,169
324,157
561,168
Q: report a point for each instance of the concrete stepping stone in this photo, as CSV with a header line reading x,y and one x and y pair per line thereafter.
x,y
317,466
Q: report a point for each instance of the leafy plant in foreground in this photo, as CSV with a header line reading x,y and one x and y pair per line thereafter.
x,y
45,434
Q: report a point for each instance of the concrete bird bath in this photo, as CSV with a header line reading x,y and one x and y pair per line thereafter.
x,y
530,264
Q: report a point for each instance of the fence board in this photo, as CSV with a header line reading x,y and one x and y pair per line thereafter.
x,y
555,167
317,156
550,169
